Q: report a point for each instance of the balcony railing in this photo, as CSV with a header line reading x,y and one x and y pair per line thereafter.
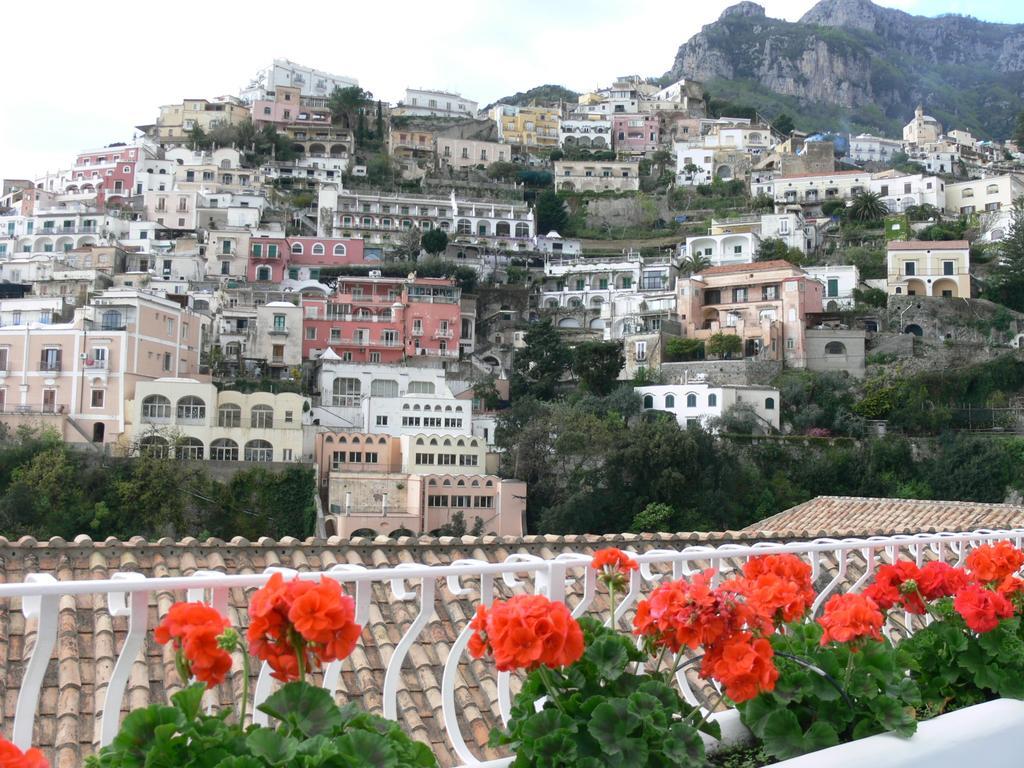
x,y
276,331
50,365
443,333
837,564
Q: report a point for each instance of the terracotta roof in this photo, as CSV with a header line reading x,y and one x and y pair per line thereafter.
x,y
89,638
929,245
756,266
823,173
859,516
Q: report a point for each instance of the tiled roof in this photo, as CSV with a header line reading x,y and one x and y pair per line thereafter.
x,y
929,245
89,638
860,516
818,174
756,266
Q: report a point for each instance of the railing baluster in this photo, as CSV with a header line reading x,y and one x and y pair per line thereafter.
x,y
135,606
393,674
44,609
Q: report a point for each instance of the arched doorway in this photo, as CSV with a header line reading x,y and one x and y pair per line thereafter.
x,y
914,329
945,287
916,288
98,430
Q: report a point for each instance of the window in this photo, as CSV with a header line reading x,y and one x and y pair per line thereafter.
x,y
297,248
640,350
261,417
421,387
712,401
191,409
691,400
384,388
311,334
835,348
96,398
229,415
189,448
769,403
224,450
382,421
739,295
437,501
468,460
259,450
346,393
670,401
948,267
3,358
156,408
167,361
648,401
424,458
910,268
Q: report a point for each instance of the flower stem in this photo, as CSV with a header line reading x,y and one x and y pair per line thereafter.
x,y
611,599
549,685
300,655
245,686
849,671
708,711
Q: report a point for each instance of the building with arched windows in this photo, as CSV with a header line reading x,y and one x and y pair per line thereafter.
x,y
190,419
701,403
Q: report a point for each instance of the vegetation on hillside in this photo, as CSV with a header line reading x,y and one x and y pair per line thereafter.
x,y
542,94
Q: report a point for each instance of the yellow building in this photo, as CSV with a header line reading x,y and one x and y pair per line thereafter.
x,y
930,268
176,120
530,126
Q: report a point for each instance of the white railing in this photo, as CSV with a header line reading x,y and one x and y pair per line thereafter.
x,y
837,565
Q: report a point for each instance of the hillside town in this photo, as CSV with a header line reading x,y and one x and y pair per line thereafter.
x,y
674,421
300,273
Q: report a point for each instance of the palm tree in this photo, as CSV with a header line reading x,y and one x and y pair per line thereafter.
x,y
867,206
693,264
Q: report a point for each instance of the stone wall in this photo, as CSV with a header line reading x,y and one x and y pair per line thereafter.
x,y
723,372
820,357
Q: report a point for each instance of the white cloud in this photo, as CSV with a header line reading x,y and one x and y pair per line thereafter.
x,y
82,75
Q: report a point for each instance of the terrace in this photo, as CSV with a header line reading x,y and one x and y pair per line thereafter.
x,y
93,605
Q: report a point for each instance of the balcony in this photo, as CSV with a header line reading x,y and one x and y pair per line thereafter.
x,y
387,594
52,366
28,410
92,364
278,331
443,334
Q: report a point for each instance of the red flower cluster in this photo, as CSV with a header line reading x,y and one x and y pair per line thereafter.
x,y
614,560
12,757
745,666
982,608
196,630
299,625
849,618
526,632
778,587
994,562
938,579
898,585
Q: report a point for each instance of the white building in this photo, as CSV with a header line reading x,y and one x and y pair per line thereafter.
x,y
724,247
586,132
423,102
839,281
937,156
282,72
278,338
694,164
865,148
994,193
596,176
311,171
553,243
922,129
700,402
899,192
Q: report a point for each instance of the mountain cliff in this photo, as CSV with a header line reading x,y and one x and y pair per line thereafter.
x,y
855,65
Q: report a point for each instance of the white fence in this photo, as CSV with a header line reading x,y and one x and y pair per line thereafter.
x,y
837,565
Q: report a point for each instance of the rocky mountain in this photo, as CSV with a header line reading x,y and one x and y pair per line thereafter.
x,y
855,65
542,94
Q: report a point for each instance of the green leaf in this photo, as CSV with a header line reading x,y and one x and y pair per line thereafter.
x,y
190,700
608,656
273,747
755,713
783,738
363,748
546,721
648,709
611,723
143,727
631,753
244,761
304,708
683,746
820,735
555,749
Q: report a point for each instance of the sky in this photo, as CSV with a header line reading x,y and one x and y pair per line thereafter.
x,y
82,75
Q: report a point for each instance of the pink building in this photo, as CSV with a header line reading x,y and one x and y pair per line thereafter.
x,y
274,259
765,303
77,376
384,319
288,106
110,172
369,486
635,134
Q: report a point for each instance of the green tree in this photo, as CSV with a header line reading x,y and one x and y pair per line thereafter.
x,y
503,171
597,365
1018,131
434,241
694,263
245,135
783,124
1007,279
486,391
551,213
380,171
345,103
871,297
537,369
380,122
197,138
154,487
867,207
682,350
723,345
773,248
654,518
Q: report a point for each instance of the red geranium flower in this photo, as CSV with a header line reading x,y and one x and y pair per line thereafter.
x,y
982,608
298,625
778,586
12,757
994,562
195,630
938,579
851,617
613,559
744,665
897,585
525,632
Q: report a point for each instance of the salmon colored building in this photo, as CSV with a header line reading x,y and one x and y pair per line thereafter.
x,y
274,259
383,319
77,376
